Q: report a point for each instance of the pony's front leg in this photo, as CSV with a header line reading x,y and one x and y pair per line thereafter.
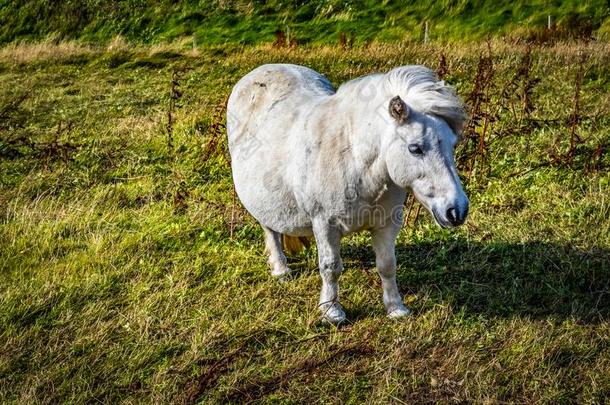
x,y
384,240
328,240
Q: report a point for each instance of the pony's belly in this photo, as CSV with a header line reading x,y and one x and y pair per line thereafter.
x,y
368,215
270,202
284,219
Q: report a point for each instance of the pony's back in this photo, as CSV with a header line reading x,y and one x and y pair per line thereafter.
x,y
270,90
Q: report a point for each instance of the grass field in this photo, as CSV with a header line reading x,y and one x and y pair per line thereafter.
x,y
129,272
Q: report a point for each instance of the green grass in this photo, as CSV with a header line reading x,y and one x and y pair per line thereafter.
x,y
120,281
318,21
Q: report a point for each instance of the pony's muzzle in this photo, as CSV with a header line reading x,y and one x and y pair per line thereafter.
x,y
450,217
457,216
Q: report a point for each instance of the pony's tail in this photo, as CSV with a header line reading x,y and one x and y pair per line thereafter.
x,y
295,244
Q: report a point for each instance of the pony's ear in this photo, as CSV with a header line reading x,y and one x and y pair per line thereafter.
x,y
399,110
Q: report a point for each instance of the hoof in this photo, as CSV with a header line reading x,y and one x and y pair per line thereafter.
x,y
280,272
399,312
333,314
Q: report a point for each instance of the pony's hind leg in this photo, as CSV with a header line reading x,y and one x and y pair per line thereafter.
x,y
276,259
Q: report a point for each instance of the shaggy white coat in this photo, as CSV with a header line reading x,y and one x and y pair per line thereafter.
x,y
307,160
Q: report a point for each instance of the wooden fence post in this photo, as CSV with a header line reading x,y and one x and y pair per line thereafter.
x,y
426,32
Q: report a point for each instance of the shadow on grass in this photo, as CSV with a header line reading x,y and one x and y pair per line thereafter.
x,y
535,279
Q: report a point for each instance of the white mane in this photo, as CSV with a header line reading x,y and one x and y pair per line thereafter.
x,y
419,87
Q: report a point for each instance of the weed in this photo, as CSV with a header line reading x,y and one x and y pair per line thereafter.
x,y
575,117
346,41
174,95
411,203
442,69
284,39
13,141
474,147
280,39
57,148
215,144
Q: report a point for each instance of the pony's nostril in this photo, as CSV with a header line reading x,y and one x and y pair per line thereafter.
x,y
452,215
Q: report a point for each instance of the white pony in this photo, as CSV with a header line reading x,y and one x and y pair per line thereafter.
x,y
307,160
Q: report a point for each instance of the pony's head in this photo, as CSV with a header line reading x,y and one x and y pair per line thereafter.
x,y
422,137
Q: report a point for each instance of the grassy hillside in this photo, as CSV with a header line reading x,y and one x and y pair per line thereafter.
x,y
319,21
129,271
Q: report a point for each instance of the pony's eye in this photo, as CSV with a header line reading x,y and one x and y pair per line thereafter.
x,y
415,149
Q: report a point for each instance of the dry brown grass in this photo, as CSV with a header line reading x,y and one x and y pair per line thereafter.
x,y
25,52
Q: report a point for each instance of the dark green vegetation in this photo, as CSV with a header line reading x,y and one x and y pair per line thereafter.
x,y
129,272
245,21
